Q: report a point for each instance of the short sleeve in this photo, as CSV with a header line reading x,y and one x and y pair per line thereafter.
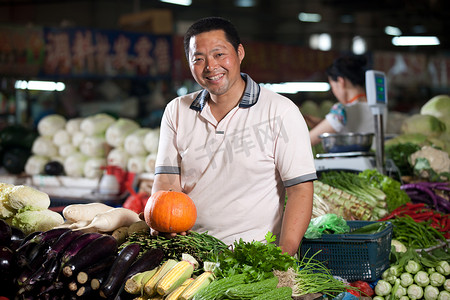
x,y
337,117
293,153
168,159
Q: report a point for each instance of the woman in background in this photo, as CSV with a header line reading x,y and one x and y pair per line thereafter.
x,y
352,113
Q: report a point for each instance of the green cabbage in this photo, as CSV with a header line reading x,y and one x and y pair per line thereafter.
x,y
439,107
37,220
425,124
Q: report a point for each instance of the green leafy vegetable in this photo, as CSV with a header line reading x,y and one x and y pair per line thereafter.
x,y
254,258
399,154
395,196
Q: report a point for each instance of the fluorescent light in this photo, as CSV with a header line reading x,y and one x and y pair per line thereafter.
x,y
320,41
309,17
295,87
40,85
358,45
415,41
392,30
178,2
244,3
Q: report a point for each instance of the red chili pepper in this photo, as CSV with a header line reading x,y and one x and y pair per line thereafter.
x,y
411,206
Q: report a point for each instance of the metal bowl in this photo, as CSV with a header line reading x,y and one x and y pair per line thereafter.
x,y
346,142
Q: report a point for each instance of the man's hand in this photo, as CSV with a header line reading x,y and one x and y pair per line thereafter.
x,y
154,232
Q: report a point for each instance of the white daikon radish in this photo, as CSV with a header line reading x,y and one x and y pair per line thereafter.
x,y
43,145
134,143
50,124
61,137
73,125
136,164
119,130
118,157
149,164
77,138
84,212
96,124
112,219
93,146
151,141
67,150
35,164
74,164
92,167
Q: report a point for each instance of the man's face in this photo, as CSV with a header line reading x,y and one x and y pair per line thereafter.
x,y
214,62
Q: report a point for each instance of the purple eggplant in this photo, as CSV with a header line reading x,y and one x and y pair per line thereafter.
x,y
5,233
149,260
17,233
46,237
23,252
60,245
100,267
78,244
99,248
7,262
119,270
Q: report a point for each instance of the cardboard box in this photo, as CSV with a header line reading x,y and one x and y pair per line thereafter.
x,y
156,21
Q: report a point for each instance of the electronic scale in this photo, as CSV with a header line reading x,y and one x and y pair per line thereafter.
x,y
376,93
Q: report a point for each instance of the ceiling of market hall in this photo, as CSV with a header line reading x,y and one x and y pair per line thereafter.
x,y
269,20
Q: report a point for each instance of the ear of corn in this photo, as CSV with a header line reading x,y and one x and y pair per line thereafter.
x,y
150,285
135,284
177,275
201,282
177,292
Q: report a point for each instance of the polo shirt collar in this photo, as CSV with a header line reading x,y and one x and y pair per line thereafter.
x,y
250,97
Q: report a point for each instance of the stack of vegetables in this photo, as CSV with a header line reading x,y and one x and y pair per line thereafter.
x,y
422,149
81,146
368,195
27,208
416,276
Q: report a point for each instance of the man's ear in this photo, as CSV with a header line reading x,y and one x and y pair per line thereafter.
x,y
241,52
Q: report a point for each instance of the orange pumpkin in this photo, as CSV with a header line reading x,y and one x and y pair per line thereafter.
x,y
170,211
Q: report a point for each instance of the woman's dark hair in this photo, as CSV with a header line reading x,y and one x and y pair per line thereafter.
x,y
352,67
209,24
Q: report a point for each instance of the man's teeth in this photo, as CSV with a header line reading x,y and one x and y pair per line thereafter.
x,y
216,77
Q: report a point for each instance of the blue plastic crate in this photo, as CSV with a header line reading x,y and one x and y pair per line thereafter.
x,y
352,256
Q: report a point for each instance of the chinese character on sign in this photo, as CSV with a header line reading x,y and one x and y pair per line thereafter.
x,y
83,52
162,55
58,59
144,62
121,62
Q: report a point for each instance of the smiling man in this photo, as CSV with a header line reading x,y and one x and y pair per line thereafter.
x,y
236,148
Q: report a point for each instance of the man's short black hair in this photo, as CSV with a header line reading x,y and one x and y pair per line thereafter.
x,y
210,24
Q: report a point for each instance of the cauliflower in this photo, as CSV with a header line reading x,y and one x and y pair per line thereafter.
x,y
37,220
431,163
